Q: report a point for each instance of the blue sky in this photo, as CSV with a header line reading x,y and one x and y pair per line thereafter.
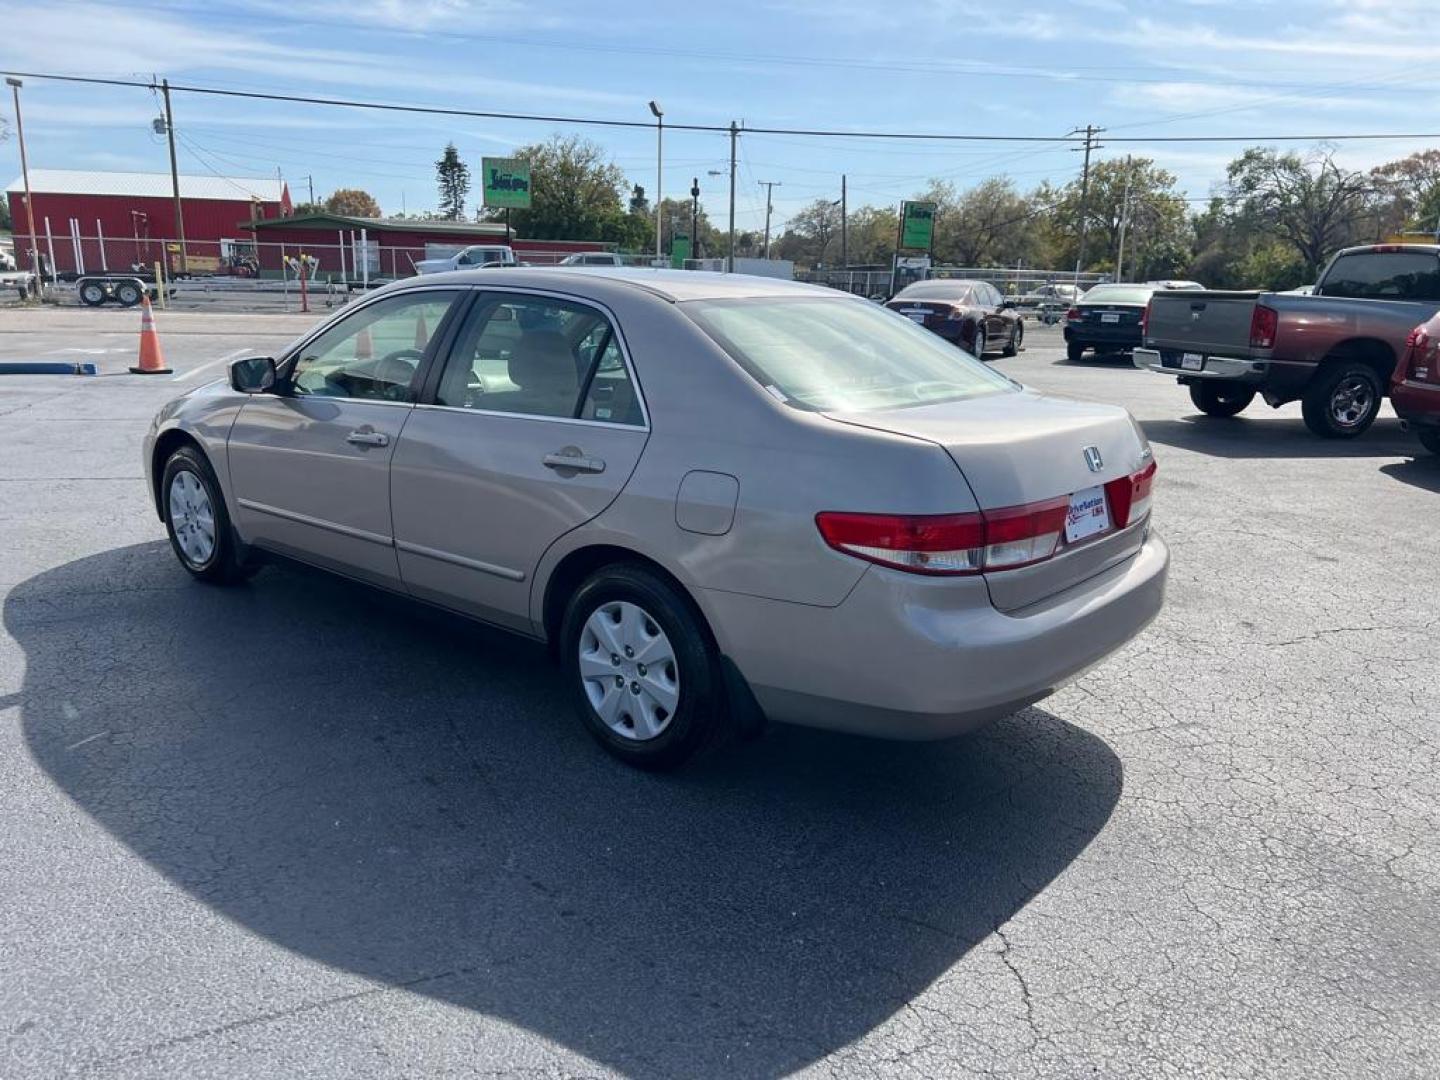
x,y
1140,69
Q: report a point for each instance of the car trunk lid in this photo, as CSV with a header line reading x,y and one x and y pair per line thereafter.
x,y
1023,447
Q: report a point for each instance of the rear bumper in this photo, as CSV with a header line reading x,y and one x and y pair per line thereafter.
x,y
916,658
1230,368
1416,403
1112,337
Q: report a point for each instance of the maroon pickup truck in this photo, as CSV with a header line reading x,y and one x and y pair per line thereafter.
x,y
1334,350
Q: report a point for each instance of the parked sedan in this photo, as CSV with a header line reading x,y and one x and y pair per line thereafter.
x,y
1108,319
1415,386
971,314
719,498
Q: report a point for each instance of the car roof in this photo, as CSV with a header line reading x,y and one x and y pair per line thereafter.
x,y
672,285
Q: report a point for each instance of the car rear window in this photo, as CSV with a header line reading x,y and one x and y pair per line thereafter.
x,y
1118,294
1384,275
935,290
842,355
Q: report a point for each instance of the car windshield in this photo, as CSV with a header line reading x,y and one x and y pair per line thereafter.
x,y
935,290
842,355
1119,294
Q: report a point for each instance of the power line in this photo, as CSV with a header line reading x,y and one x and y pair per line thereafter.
x,y
829,133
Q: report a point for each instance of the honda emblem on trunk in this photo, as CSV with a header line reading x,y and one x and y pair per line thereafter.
x,y
1093,458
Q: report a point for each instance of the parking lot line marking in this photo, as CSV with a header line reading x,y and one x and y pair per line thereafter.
x,y
92,738
233,355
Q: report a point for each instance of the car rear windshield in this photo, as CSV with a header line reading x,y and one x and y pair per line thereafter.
x,y
1117,294
842,355
935,290
1384,275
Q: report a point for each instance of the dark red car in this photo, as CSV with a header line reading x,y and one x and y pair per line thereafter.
x,y
1415,386
971,314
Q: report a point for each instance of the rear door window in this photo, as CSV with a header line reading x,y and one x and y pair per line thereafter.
x,y
1384,275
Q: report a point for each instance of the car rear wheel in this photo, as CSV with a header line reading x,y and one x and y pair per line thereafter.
x,y
1342,401
1074,352
1221,398
197,521
1430,438
1017,339
643,672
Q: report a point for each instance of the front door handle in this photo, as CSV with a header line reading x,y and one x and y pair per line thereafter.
x,y
368,437
577,462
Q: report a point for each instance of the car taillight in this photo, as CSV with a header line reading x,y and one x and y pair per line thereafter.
x,y
1264,322
1073,314
1145,318
1130,496
950,544
1423,353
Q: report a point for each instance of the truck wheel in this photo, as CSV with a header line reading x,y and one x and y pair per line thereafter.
x,y
1221,398
1430,438
1342,401
92,294
128,293
1074,352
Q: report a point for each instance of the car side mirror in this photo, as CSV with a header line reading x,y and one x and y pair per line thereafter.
x,y
253,374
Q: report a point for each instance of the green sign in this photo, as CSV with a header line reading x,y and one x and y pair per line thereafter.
x,y
506,182
917,226
679,251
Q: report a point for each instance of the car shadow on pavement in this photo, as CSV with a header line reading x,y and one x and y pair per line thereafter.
x,y
406,796
1275,437
1422,471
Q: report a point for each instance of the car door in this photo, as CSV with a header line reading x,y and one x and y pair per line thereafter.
x,y
310,463
531,428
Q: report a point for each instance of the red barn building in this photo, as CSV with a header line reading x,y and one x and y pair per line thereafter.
x,y
134,214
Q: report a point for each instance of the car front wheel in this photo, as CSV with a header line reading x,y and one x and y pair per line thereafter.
x,y
643,673
1017,339
197,521
1221,399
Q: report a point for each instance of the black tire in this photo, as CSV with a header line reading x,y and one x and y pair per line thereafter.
x,y
1429,438
127,293
1221,398
225,564
92,294
699,720
1074,352
1342,400
979,343
1017,339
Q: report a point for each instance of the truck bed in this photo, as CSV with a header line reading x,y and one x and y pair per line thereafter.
x,y
1210,321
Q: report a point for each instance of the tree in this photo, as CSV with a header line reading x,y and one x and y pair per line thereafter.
x,y
991,224
452,181
639,204
870,235
810,234
5,222
1307,202
1412,188
1158,237
352,202
576,194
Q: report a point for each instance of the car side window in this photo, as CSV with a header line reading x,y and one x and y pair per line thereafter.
x,y
534,356
373,353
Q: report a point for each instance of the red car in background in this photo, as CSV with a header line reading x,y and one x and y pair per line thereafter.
x,y
1415,386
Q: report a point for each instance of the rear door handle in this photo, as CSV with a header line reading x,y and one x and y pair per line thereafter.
x,y
574,461
366,437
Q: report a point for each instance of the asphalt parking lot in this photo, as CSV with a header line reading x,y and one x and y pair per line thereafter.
x,y
297,828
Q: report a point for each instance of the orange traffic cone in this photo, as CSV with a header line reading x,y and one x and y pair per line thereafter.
x,y
152,360
422,333
364,347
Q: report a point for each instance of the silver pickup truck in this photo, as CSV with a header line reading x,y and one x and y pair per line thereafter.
x,y
1333,351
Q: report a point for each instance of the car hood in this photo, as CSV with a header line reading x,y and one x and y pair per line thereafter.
x,y
1022,446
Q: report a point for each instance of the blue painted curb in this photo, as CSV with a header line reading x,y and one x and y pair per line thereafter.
x,y
44,367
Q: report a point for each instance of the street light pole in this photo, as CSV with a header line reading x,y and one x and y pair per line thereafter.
x,y
659,115
734,137
15,85
769,186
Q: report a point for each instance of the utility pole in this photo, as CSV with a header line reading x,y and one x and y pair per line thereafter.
x,y
769,186
844,228
659,115
174,175
1090,144
1124,221
695,217
734,139
310,183
15,85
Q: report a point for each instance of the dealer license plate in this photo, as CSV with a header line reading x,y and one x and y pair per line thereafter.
x,y
915,314
1192,361
1110,316
1089,515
